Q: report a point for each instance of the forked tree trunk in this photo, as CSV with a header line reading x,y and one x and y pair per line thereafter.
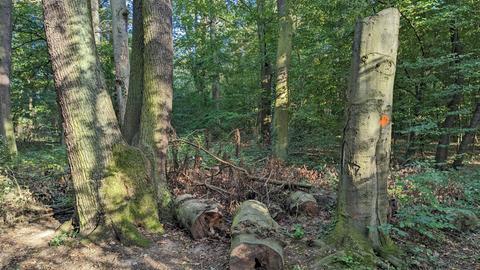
x,y
120,52
131,126
284,51
157,95
253,239
110,180
265,110
7,133
467,139
441,155
365,167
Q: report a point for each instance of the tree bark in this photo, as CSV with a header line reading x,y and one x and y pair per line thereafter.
x,y
133,111
468,138
158,91
253,239
7,133
300,202
216,64
97,31
284,51
265,110
120,52
441,155
365,167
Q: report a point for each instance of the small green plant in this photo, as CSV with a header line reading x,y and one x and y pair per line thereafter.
x,y
59,239
298,232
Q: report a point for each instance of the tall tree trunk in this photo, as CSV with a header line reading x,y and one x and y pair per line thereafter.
x,y
110,179
467,139
158,91
120,51
365,167
441,155
6,124
264,112
133,111
216,64
95,7
284,51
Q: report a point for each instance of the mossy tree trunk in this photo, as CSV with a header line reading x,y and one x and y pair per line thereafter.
x,y
120,53
284,51
362,200
468,138
157,95
110,180
6,124
264,110
133,110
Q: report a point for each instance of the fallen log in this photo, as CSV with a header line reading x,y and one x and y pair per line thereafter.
x,y
253,239
201,217
301,202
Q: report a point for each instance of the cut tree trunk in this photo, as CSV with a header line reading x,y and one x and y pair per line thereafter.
x,y
201,217
120,53
284,51
468,138
301,202
133,111
362,200
253,239
157,94
7,133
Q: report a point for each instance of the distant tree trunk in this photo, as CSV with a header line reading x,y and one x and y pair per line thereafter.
x,y
413,143
216,64
103,169
96,21
284,51
120,51
133,111
468,138
365,167
6,124
441,155
158,91
265,110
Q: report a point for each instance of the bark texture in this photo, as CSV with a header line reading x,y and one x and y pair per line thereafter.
x,y
201,217
253,239
6,124
133,111
120,52
362,200
97,31
468,138
441,155
284,51
265,110
157,96
300,202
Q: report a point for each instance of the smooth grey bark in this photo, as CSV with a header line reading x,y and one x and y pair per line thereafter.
x,y
95,7
7,133
120,52
365,166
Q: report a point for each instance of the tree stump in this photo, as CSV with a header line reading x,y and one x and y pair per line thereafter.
x,y
253,239
200,217
301,202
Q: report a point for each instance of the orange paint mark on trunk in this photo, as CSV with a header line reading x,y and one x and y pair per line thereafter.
x,y
384,120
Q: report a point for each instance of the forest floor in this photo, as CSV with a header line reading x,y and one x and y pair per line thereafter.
x,y
35,205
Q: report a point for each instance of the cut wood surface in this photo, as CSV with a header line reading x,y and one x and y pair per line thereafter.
x,y
302,203
254,245
200,217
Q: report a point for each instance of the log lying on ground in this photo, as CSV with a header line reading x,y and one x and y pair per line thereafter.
x,y
200,217
253,239
301,202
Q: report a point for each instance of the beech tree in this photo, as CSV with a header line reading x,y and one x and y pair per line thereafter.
x,y
365,166
6,124
284,51
468,137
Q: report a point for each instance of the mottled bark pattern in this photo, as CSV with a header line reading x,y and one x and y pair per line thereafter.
x,y
90,124
133,110
157,96
120,52
284,51
367,135
95,7
6,124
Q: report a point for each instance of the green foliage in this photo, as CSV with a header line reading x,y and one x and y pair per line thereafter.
x,y
298,232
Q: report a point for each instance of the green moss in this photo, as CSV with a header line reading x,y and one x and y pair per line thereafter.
x,y
128,197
